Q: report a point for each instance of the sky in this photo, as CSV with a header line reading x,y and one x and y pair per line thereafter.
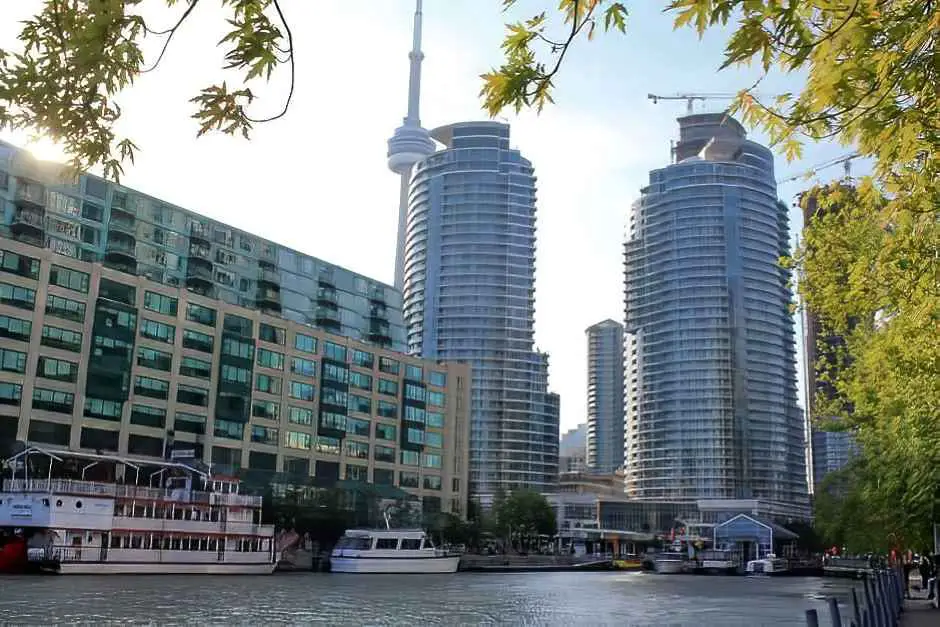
x,y
316,180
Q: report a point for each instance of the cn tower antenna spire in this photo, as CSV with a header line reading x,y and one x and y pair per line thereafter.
x,y
409,144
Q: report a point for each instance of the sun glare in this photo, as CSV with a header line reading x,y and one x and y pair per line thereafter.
x,y
45,149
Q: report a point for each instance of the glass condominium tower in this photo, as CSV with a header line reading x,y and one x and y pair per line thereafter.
x,y
712,403
605,410
469,296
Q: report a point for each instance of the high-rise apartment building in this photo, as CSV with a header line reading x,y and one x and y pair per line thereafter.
x,y
97,359
94,220
829,450
469,295
711,358
605,390
572,453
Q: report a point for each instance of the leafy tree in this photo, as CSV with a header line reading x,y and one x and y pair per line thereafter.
x,y
522,516
77,55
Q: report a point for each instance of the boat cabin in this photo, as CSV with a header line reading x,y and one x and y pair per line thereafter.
x,y
390,540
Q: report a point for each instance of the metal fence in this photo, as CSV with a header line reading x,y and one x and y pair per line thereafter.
x,y
876,603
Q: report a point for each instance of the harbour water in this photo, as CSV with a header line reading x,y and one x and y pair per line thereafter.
x,y
601,598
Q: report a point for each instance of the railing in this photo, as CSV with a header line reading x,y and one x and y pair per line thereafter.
x,y
119,490
880,605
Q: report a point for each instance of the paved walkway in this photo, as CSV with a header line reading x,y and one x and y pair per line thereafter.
x,y
919,612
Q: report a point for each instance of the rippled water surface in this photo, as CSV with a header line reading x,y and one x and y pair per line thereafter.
x,y
459,599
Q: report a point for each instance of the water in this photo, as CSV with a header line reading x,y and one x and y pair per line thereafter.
x,y
602,598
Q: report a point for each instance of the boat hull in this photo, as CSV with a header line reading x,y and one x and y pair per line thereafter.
x,y
669,568
163,568
394,565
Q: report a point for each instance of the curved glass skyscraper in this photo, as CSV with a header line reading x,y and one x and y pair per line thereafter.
x,y
469,296
711,390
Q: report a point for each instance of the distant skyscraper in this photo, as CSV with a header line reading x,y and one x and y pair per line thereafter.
x,y
408,145
572,452
469,295
605,396
830,450
712,392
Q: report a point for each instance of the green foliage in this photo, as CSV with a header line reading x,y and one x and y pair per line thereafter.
x,y
522,515
77,56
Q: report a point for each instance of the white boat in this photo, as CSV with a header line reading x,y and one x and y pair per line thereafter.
x,y
718,561
390,551
670,562
770,564
190,522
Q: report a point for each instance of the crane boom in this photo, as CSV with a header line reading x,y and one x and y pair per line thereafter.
x,y
845,160
691,98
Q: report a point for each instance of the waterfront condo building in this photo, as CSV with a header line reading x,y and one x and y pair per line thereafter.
x,y
98,355
712,397
469,296
605,390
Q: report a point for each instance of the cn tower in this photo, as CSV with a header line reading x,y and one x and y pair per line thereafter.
x,y
408,145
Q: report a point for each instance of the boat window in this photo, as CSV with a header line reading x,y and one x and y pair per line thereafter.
x,y
359,543
410,544
386,543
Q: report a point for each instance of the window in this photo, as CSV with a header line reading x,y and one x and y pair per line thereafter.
x,y
431,460
228,429
415,392
53,400
192,367
270,359
153,330
233,374
360,404
410,458
386,432
238,325
272,334
408,479
264,435
302,391
15,328
432,482
238,348
64,339
160,303
363,359
434,419
357,426
200,314
192,395
118,292
438,379
266,409
144,445
298,440
359,450
332,372
14,361
328,445
190,423
10,393
415,373
387,410
69,279
332,396
197,341
414,436
387,386
152,358
300,416
147,416
334,351
361,381
384,454
436,398
154,388
50,368
103,409
433,439
332,420
20,265
383,476
16,296
305,367
415,414
267,383
388,365
305,343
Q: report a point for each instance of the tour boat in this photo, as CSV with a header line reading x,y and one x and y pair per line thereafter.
x,y
75,526
720,562
670,562
390,551
770,564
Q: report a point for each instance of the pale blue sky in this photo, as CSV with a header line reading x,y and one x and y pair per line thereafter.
x,y
316,180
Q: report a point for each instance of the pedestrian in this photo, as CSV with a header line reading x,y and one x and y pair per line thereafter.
x,y
926,569
908,566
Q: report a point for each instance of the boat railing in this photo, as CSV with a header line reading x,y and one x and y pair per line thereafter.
x,y
121,490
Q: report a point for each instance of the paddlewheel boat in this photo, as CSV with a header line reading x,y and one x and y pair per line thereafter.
x,y
190,522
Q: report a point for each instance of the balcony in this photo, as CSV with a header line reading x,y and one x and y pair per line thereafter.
x,y
328,318
378,312
270,277
29,194
200,251
268,299
28,222
326,297
123,224
120,252
377,295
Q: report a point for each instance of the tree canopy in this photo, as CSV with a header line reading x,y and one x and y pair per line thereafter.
x,y
523,514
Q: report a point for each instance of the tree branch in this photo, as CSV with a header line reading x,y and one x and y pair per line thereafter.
x,y
290,52
170,32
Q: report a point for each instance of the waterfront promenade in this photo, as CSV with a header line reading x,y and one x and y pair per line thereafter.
x,y
919,612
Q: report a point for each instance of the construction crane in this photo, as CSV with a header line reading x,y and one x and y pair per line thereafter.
x,y
691,98
845,160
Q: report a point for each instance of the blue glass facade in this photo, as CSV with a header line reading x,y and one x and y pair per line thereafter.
x,y
712,404
469,296
95,220
605,411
